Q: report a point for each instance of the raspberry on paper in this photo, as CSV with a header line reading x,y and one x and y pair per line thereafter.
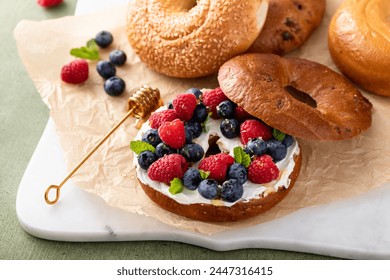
x,y
75,72
49,3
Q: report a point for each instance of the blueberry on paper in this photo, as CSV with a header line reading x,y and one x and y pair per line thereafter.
x,y
105,69
103,39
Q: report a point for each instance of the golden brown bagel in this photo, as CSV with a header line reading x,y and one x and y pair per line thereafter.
x,y
261,83
190,38
215,213
359,43
288,25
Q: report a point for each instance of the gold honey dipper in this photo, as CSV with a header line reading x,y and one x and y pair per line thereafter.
x,y
144,101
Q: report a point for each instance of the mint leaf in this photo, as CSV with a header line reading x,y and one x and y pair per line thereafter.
x,y
176,186
278,135
241,157
90,51
140,146
204,124
204,174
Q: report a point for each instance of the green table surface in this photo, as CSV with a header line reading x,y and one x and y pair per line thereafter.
x,y
23,117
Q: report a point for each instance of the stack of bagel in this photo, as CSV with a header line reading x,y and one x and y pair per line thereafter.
x,y
244,42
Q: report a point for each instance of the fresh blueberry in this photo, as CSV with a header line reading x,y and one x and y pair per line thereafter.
x,y
256,147
192,152
118,57
208,188
151,136
195,128
195,91
105,69
114,86
188,133
277,150
288,140
163,149
200,113
103,39
192,179
170,105
237,171
225,109
145,159
232,190
230,128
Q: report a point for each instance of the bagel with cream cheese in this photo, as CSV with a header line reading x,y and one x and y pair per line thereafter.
x,y
359,43
190,38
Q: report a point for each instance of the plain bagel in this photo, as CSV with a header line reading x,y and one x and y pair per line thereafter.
x,y
190,38
299,97
288,25
359,43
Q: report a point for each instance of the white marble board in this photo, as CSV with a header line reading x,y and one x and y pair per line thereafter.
x,y
357,228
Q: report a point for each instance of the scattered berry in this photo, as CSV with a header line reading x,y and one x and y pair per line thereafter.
x,y
145,159
173,133
114,86
240,114
49,3
163,149
75,72
200,113
262,170
230,128
184,104
232,190
192,152
151,136
195,91
167,168
225,109
237,171
256,147
277,150
288,140
158,118
192,179
212,99
105,69
103,39
251,129
118,57
217,165
208,188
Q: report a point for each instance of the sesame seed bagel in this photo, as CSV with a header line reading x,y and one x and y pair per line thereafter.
x,y
359,43
217,213
190,38
297,96
288,25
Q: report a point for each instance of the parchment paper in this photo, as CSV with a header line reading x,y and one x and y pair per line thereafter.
x,y
83,114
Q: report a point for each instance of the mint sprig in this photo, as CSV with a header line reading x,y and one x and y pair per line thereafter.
x,y
176,186
241,157
204,174
278,135
90,51
139,146
205,123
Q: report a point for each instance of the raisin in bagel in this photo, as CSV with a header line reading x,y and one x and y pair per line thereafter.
x,y
299,97
214,176
288,25
359,43
190,38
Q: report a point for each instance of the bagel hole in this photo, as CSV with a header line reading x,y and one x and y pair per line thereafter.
x,y
301,96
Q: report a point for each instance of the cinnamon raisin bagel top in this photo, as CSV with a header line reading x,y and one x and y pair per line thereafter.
x,y
297,96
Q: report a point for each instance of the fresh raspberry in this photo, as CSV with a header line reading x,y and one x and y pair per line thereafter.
x,y
158,118
262,170
241,115
167,168
217,165
75,72
212,99
184,104
173,133
251,129
49,3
